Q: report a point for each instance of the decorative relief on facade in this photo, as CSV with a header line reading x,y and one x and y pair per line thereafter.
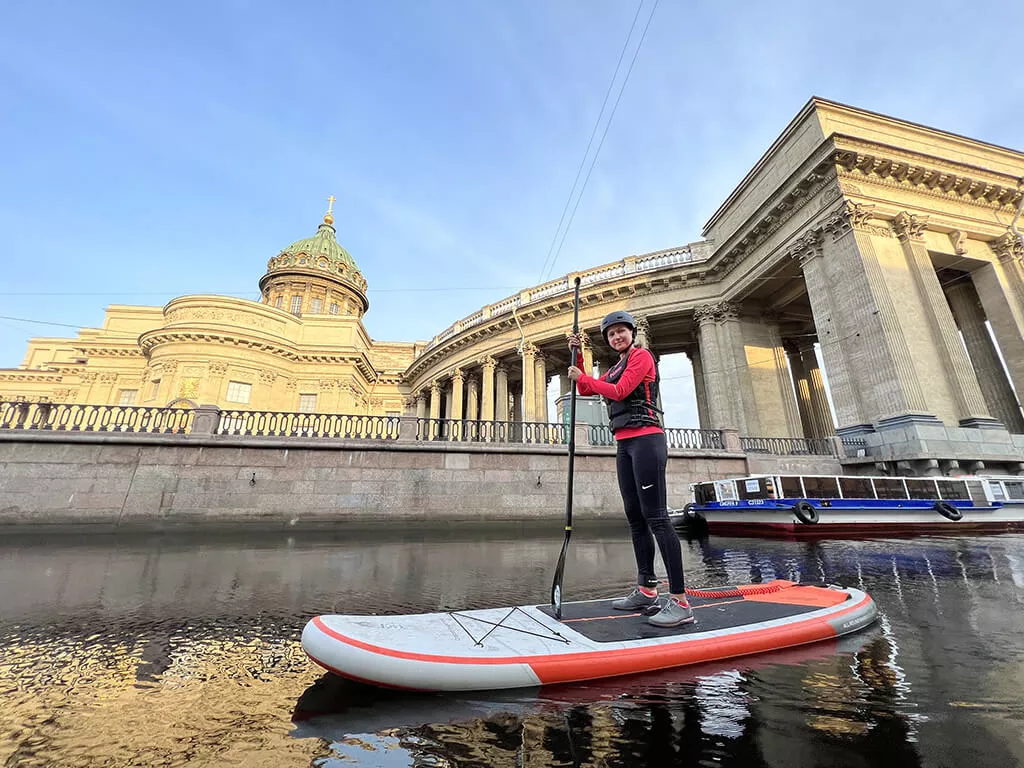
x,y
267,377
232,317
62,395
88,376
189,387
327,385
108,378
909,226
218,369
169,366
959,240
291,386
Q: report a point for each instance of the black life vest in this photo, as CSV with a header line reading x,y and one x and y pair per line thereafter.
x,y
640,407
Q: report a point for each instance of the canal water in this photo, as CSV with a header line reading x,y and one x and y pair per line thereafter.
x,y
184,650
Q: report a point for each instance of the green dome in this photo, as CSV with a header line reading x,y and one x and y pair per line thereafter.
x,y
322,244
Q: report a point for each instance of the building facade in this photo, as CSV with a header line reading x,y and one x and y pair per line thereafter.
x,y
864,279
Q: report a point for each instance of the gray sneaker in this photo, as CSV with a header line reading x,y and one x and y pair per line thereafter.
x,y
672,615
635,601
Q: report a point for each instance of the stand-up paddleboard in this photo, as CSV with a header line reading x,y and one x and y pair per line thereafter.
x,y
526,646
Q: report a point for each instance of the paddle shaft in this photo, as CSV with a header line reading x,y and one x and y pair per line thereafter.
x,y
556,584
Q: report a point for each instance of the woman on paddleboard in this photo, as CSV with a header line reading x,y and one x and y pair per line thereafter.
x,y
631,389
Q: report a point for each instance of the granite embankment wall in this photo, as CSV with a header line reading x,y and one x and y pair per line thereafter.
x,y
164,481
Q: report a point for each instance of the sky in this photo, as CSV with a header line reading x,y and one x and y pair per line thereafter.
x,y
156,150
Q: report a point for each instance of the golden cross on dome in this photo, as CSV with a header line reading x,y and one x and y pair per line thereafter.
x,y
330,204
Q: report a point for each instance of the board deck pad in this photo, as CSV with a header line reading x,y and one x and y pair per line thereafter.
x,y
721,609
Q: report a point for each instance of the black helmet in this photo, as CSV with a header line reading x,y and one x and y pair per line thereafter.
x,y
614,318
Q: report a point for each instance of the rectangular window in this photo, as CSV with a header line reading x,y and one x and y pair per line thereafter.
x,y
296,305
238,392
279,302
127,396
154,389
856,488
889,488
1014,489
704,493
922,489
334,308
821,487
307,403
316,306
953,489
791,488
753,488
996,489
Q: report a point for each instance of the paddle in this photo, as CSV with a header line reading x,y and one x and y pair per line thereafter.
x,y
556,585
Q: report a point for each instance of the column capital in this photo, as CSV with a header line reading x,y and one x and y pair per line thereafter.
x,y
853,216
435,388
1008,248
807,247
458,375
909,226
487,362
643,331
529,349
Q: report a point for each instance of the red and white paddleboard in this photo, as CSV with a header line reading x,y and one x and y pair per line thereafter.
x,y
526,646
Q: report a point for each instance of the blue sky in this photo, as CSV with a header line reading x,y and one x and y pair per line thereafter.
x,y
154,150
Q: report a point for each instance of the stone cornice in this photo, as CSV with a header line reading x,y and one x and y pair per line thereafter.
x,y
861,161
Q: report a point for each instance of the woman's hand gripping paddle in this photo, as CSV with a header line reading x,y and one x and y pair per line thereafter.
x,y
556,584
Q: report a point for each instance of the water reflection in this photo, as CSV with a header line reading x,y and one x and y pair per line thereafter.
x,y
162,651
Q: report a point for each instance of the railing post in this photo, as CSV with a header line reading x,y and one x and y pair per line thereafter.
x,y
731,440
407,429
582,434
205,421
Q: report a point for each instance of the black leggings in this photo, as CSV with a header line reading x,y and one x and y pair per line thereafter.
x,y
640,465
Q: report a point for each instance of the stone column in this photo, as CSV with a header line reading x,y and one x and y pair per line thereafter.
x,y
735,369
435,400
456,402
970,405
1007,325
719,402
529,396
643,332
995,387
588,355
821,413
540,372
699,390
1010,252
487,365
802,387
473,398
783,383
500,393
809,249
884,356
422,404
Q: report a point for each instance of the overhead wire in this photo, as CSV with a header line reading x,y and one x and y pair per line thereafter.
x,y
597,152
590,141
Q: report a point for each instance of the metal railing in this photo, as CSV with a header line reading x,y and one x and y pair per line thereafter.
x,y
789,446
475,431
71,417
287,424
694,439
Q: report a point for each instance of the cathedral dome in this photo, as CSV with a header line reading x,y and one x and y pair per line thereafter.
x,y
315,275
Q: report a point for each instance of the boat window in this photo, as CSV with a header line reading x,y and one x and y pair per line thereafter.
x,y
1014,489
791,488
856,487
726,490
976,491
889,488
821,487
996,489
753,488
922,489
953,489
704,493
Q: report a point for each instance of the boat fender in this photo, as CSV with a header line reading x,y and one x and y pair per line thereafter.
x,y
947,510
805,512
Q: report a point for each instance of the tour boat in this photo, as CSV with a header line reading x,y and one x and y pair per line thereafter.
x,y
833,505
